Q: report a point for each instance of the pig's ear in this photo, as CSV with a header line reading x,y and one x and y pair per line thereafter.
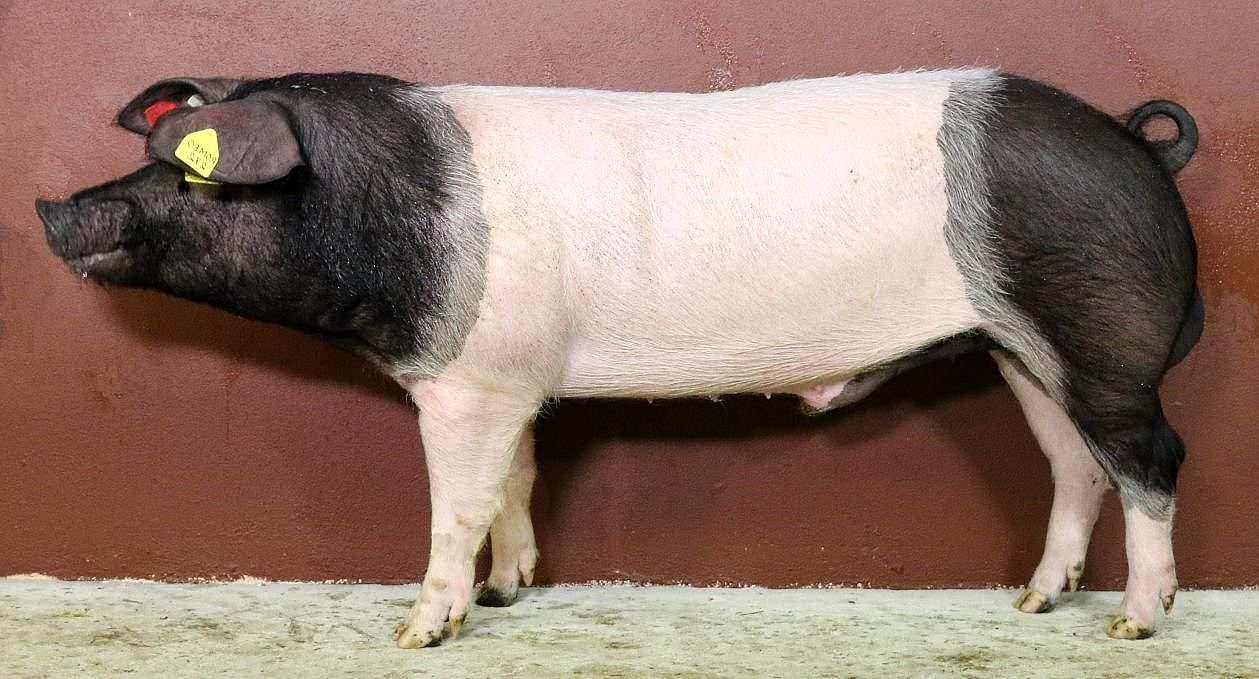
x,y
142,113
243,141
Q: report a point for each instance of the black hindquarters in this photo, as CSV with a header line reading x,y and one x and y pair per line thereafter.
x,y
1093,238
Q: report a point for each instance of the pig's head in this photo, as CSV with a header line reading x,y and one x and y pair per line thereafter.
x,y
322,202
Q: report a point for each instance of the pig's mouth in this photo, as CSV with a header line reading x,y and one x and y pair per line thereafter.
x,y
100,262
111,261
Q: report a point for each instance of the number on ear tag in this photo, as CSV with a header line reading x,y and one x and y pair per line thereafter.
x,y
200,151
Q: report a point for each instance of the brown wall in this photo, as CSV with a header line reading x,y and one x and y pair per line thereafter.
x,y
144,436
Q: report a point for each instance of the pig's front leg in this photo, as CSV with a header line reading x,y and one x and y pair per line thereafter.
x,y
470,434
511,536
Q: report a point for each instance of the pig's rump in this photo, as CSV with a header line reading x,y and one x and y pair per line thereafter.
x,y
759,240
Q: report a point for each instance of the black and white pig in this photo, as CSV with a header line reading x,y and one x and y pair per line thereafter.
x,y
491,248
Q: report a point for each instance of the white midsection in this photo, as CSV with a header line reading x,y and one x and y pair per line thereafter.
x,y
758,240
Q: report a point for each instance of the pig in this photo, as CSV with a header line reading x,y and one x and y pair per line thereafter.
x,y
492,248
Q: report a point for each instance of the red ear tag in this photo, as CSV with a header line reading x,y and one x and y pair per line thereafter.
x,y
157,110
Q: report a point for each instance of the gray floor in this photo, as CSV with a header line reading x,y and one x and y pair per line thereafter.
x,y
50,628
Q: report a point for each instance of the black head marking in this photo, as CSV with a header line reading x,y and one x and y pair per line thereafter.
x,y
345,210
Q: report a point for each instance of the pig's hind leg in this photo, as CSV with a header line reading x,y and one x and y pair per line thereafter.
x,y
1114,404
470,435
513,550
1079,485
1095,294
1108,387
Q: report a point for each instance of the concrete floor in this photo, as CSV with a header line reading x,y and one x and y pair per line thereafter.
x,y
50,628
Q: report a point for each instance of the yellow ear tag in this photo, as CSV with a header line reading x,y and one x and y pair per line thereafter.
x,y
200,151
194,179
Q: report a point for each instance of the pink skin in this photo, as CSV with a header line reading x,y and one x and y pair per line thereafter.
x,y
823,396
1079,485
470,437
637,211
1151,575
512,546
618,221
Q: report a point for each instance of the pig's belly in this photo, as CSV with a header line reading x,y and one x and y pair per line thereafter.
x,y
765,326
673,363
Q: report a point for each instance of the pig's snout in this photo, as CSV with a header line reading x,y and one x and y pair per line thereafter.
x,y
88,236
53,213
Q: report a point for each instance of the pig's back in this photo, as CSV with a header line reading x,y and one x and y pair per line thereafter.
x,y
756,240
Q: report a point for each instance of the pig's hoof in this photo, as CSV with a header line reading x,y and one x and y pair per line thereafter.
x,y
1124,627
1074,575
1032,601
497,597
1168,601
407,635
503,586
